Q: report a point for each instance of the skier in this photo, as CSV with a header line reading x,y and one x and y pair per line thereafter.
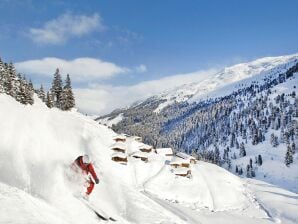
x,y
83,165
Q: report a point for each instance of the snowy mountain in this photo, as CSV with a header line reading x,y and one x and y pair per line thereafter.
x,y
230,77
249,107
38,145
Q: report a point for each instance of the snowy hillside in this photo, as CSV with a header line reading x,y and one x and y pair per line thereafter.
x,y
38,144
254,104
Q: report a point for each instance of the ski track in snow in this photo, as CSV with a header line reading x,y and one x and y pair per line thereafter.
x,y
207,187
168,206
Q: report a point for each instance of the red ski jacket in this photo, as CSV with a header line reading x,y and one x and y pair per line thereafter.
x,y
86,168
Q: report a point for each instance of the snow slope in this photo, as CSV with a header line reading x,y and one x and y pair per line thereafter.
x,y
273,170
38,144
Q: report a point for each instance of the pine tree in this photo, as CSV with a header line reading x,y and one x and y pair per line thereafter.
x,y
293,148
260,160
21,95
289,156
2,76
57,89
11,86
242,151
229,163
248,171
41,94
273,140
67,100
49,100
29,93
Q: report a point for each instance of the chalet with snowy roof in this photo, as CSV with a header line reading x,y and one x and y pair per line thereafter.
x,y
164,151
141,155
182,171
120,138
119,157
185,156
145,148
179,162
119,147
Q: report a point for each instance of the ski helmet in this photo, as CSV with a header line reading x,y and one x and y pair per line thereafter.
x,y
86,159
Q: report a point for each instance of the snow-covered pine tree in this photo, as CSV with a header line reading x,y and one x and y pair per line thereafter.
x,y
229,163
248,171
2,76
21,96
41,93
49,100
276,143
29,92
57,89
260,160
289,156
293,148
242,151
67,99
11,86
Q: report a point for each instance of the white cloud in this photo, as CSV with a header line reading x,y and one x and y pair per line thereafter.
x,y
80,69
59,30
141,69
102,99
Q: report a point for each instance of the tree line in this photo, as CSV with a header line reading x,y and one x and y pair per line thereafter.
x,y
12,83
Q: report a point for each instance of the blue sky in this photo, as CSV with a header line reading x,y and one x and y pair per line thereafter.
x,y
135,41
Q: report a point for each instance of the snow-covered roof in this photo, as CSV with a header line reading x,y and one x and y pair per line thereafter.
x,y
119,145
122,137
164,151
145,146
184,155
177,160
119,154
140,154
181,170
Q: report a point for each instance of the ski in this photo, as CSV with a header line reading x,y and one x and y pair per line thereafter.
x,y
98,214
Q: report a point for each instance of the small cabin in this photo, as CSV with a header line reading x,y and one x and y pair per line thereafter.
x,y
141,155
120,138
179,162
164,151
185,156
119,147
119,157
145,148
183,172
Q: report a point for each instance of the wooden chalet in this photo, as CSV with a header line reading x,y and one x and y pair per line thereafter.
x,y
183,172
119,157
164,151
119,147
185,156
179,162
141,155
120,138
145,148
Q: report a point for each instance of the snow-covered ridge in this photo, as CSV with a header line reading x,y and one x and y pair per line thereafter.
x,y
235,74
